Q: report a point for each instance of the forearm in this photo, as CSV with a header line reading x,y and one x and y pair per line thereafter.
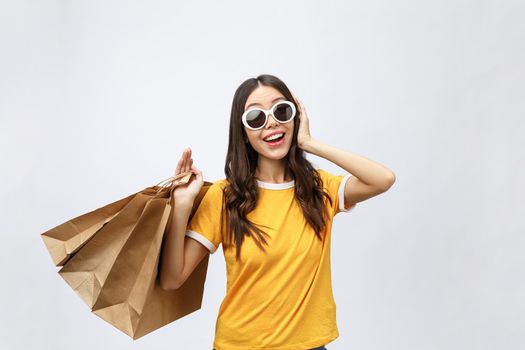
x,y
368,171
173,247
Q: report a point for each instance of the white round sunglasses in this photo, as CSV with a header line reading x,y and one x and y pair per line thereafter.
x,y
256,118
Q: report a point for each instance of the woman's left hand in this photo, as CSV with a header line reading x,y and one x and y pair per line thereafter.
x,y
303,135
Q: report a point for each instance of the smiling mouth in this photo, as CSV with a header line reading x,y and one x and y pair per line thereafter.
x,y
276,140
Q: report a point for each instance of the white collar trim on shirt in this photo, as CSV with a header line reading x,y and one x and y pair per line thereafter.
x,y
274,186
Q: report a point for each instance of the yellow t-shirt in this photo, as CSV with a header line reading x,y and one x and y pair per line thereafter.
x,y
283,299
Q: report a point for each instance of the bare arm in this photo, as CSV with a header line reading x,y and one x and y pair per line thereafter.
x,y
370,178
181,254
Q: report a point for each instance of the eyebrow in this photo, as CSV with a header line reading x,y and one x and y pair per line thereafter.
x,y
255,103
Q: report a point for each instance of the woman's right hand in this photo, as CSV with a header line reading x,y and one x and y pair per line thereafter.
x,y
187,193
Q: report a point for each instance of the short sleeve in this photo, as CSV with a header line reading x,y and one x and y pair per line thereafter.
x,y
205,225
335,186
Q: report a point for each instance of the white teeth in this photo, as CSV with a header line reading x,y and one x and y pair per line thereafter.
x,y
273,137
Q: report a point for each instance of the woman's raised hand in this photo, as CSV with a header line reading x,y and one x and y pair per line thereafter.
x,y
187,193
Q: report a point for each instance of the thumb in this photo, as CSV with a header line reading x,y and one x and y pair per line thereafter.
x,y
197,172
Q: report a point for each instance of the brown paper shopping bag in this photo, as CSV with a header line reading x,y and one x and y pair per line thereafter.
x,y
87,270
65,239
131,299
115,272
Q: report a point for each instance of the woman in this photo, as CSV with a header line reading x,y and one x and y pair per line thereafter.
x,y
279,209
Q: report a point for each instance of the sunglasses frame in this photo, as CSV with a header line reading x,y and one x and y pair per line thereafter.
x,y
267,112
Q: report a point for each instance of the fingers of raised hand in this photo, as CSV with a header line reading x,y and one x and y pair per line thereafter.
x,y
185,162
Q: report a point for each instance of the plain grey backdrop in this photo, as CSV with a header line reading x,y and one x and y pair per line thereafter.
x,y
98,99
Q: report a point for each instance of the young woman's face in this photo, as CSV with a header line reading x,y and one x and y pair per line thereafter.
x,y
265,97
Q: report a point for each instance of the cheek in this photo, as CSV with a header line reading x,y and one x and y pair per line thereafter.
x,y
252,136
289,133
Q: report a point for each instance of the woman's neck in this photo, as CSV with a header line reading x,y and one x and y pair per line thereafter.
x,y
272,171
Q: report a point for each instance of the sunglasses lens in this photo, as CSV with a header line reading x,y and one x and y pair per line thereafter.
x,y
283,112
255,118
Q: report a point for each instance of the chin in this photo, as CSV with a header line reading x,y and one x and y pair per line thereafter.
x,y
275,154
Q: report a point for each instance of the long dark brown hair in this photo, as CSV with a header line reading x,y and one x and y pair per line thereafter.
x,y
240,192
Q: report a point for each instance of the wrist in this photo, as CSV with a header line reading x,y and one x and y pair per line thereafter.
x,y
307,145
183,203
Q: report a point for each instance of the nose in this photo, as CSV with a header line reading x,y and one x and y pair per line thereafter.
x,y
271,120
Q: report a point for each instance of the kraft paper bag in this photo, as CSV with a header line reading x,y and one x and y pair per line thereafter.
x,y
87,270
131,299
65,239
116,271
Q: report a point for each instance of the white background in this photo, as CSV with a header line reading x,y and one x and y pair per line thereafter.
x,y
99,98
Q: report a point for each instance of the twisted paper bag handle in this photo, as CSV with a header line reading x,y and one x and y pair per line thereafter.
x,y
173,182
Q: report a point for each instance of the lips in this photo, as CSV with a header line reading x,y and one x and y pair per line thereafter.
x,y
274,133
276,143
